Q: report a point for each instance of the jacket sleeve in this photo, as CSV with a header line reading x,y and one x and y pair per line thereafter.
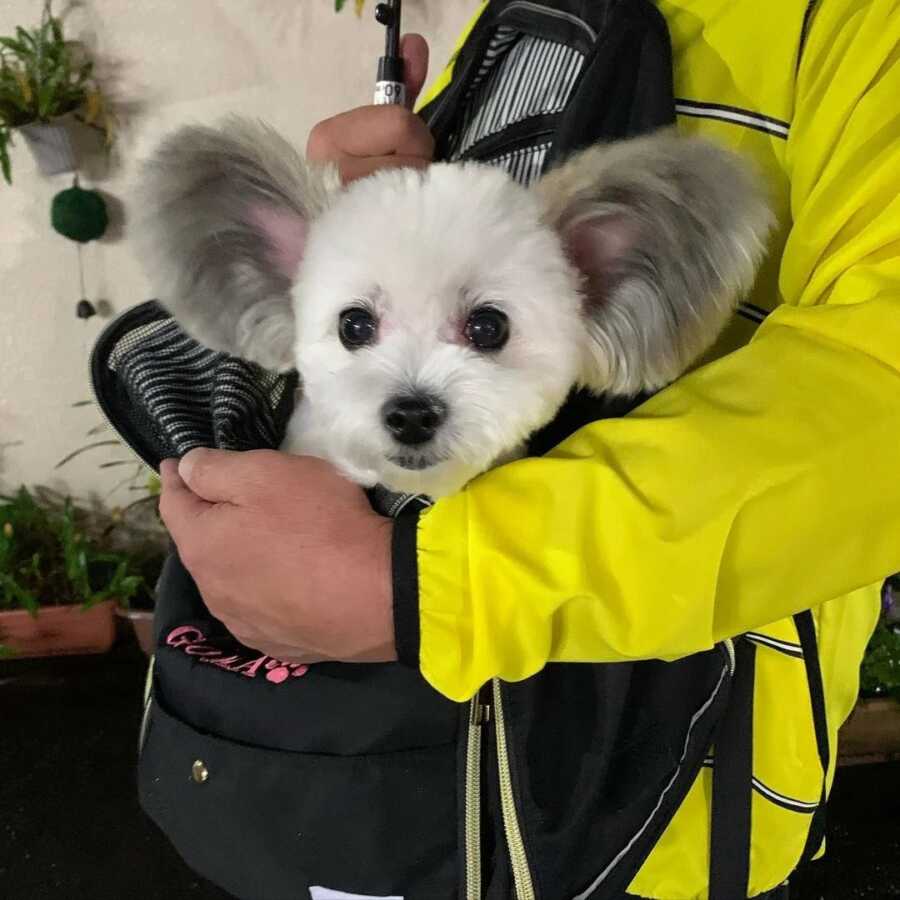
x,y
759,485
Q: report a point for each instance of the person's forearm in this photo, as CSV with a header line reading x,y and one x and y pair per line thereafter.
x,y
756,487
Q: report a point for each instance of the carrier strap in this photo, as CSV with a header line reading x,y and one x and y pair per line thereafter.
x,y
806,632
729,869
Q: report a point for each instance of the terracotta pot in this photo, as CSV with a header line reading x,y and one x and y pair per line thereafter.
x,y
59,630
872,733
141,622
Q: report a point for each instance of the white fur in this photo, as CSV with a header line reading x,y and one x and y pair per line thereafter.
x,y
402,241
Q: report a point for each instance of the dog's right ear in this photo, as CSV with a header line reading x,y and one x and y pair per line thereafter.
x,y
226,217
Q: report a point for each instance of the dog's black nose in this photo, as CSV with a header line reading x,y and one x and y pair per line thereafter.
x,y
413,419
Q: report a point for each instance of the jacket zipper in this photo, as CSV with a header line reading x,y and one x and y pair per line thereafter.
x,y
732,660
479,716
518,857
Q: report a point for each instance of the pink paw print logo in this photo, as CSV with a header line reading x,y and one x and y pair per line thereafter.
x,y
278,672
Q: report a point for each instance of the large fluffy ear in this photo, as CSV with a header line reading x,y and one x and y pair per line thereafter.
x,y
667,233
225,218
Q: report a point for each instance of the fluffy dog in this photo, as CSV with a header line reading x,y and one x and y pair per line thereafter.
x,y
437,318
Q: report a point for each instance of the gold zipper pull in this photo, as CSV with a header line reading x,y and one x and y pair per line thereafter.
x,y
481,707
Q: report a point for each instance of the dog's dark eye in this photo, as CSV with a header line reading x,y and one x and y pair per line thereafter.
x,y
357,327
487,329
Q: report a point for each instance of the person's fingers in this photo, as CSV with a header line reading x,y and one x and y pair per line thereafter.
x,y
370,131
227,476
414,50
355,167
179,507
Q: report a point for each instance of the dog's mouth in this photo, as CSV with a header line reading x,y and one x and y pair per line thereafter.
x,y
415,463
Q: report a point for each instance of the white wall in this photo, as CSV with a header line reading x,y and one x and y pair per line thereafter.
x,y
290,62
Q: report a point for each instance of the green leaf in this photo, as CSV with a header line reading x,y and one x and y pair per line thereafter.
x,y
5,163
19,595
880,672
26,38
84,449
16,46
339,5
56,28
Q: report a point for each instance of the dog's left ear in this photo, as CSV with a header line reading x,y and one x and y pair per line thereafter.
x,y
667,233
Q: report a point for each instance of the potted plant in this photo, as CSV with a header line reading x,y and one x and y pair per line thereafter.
x,y
137,525
872,733
46,82
60,579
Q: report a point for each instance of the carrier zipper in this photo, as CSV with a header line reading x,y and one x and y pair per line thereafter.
x,y
518,858
148,702
479,716
555,13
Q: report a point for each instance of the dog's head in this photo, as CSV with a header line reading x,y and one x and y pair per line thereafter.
x,y
437,318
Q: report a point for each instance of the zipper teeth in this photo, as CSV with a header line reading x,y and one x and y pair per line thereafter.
x,y
556,13
517,856
473,804
148,702
732,660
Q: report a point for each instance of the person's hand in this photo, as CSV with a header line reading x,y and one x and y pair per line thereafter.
x,y
286,553
370,138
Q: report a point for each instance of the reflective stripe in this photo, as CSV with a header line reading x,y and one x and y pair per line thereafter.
x,y
786,647
734,115
783,800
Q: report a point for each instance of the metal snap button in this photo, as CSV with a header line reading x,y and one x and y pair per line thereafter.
x,y
199,772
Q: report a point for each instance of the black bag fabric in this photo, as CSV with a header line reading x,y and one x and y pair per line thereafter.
x,y
281,782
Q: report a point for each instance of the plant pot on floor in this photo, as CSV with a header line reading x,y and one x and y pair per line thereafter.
x,y
59,630
140,621
872,733
51,144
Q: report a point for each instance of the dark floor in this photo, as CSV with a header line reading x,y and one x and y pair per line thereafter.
x,y
71,829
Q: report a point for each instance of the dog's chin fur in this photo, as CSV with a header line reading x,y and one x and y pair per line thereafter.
x,y
422,271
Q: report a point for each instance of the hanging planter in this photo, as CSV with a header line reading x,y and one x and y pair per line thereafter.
x,y
47,89
51,145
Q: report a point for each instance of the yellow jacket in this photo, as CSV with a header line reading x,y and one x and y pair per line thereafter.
x,y
763,483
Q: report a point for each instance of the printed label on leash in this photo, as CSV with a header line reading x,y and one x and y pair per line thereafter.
x,y
390,93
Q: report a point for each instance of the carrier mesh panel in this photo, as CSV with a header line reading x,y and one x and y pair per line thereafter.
x,y
521,78
180,395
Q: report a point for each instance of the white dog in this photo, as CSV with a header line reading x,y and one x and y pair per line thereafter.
x,y
437,318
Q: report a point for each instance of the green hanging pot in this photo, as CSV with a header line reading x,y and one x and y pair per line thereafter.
x,y
79,214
